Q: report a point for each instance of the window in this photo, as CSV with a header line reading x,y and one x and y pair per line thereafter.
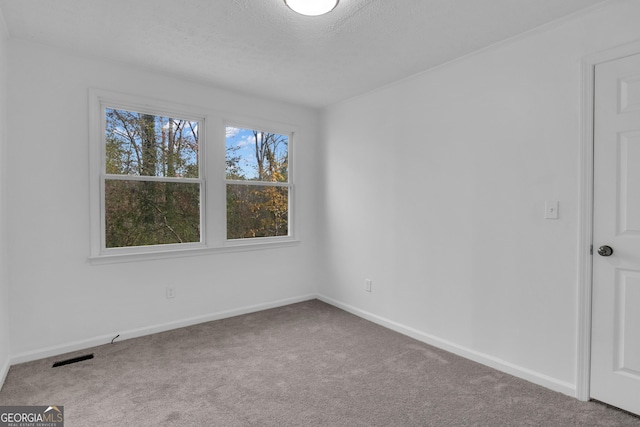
x,y
257,183
152,185
158,190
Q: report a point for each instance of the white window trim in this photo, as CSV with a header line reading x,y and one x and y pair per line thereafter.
x,y
212,178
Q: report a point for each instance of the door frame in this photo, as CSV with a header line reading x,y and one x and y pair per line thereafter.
x,y
585,238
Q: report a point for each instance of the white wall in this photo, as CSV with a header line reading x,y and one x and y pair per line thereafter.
x,y
61,301
4,282
435,190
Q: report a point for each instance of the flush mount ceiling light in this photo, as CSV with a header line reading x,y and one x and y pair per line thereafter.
x,y
312,7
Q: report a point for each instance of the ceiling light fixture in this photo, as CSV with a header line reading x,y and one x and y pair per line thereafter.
x,y
312,7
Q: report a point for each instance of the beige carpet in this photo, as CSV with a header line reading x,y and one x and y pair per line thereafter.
x,y
307,364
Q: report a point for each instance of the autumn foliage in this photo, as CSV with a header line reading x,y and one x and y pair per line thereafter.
x,y
153,188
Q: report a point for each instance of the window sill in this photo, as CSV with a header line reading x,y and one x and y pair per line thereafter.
x,y
231,246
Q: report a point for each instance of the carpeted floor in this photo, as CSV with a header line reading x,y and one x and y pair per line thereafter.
x,y
307,364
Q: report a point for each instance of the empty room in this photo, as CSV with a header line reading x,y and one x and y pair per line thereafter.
x,y
320,212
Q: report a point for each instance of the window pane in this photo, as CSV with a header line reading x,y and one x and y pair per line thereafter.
x,y
148,145
257,211
142,213
257,156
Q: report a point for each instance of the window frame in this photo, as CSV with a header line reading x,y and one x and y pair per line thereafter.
x,y
212,179
289,184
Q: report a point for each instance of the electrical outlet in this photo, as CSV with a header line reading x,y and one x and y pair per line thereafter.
x,y
171,292
367,285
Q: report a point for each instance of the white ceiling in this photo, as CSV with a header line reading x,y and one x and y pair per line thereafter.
x,y
262,47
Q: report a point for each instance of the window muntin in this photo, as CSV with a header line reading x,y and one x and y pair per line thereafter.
x,y
258,187
152,188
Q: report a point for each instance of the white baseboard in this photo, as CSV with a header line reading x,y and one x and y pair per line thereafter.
x,y
4,370
484,359
148,330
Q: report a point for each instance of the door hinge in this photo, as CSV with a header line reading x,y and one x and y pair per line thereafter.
x,y
591,250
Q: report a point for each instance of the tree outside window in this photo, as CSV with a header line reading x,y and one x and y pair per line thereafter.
x,y
257,181
152,183
149,171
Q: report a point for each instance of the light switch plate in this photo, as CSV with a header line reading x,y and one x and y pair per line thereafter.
x,y
551,209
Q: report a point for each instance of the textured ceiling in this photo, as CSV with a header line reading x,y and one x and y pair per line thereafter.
x,y
262,47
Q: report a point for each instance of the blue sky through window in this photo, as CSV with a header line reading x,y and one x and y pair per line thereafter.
x,y
241,145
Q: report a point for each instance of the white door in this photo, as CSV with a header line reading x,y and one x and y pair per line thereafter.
x,y
615,336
